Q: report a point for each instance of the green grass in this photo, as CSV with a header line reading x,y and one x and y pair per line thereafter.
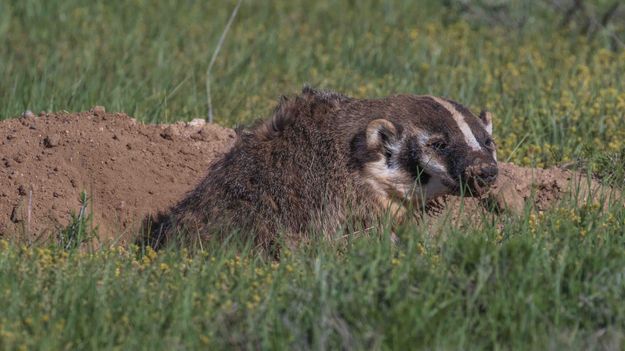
x,y
550,280
556,95
555,280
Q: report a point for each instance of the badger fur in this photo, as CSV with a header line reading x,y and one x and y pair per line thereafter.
x,y
325,161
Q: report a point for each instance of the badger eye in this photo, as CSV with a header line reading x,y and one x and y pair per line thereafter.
x,y
438,145
489,143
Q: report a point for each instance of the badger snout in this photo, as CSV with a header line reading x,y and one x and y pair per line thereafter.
x,y
480,177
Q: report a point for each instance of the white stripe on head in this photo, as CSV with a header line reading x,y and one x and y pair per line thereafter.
x,y
462,124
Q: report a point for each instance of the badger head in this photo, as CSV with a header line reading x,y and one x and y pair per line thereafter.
x,y
420,147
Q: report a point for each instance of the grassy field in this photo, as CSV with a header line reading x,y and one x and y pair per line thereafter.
x,y
542,281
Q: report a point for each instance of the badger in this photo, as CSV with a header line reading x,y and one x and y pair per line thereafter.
x,y
325,162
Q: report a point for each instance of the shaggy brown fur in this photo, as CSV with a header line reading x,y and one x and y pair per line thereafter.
x,y
323,161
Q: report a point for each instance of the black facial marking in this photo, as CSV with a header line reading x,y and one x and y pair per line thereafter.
x,y
489,143
408,159
456,160
360,154
438,144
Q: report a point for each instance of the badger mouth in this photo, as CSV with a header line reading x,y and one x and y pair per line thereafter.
x,y
471,187
477,186
454,187
477,179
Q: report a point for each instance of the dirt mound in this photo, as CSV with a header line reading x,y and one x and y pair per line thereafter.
x,y
130,169
516,189
126,167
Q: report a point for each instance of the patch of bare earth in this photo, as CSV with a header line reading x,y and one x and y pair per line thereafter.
x,y
130,169
126,167
518,189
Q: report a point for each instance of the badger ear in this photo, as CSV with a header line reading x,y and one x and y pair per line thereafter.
x,y
381,134
487,118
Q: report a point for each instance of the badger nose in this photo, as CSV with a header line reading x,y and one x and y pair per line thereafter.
x,y
487,174
481,176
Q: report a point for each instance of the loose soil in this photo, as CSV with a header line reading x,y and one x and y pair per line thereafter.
x,y
127,169
130,169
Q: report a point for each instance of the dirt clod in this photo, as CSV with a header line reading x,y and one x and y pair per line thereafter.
x,y
21,190
506,198
197,122
28,113
98,110
169,133
15,215
52,140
